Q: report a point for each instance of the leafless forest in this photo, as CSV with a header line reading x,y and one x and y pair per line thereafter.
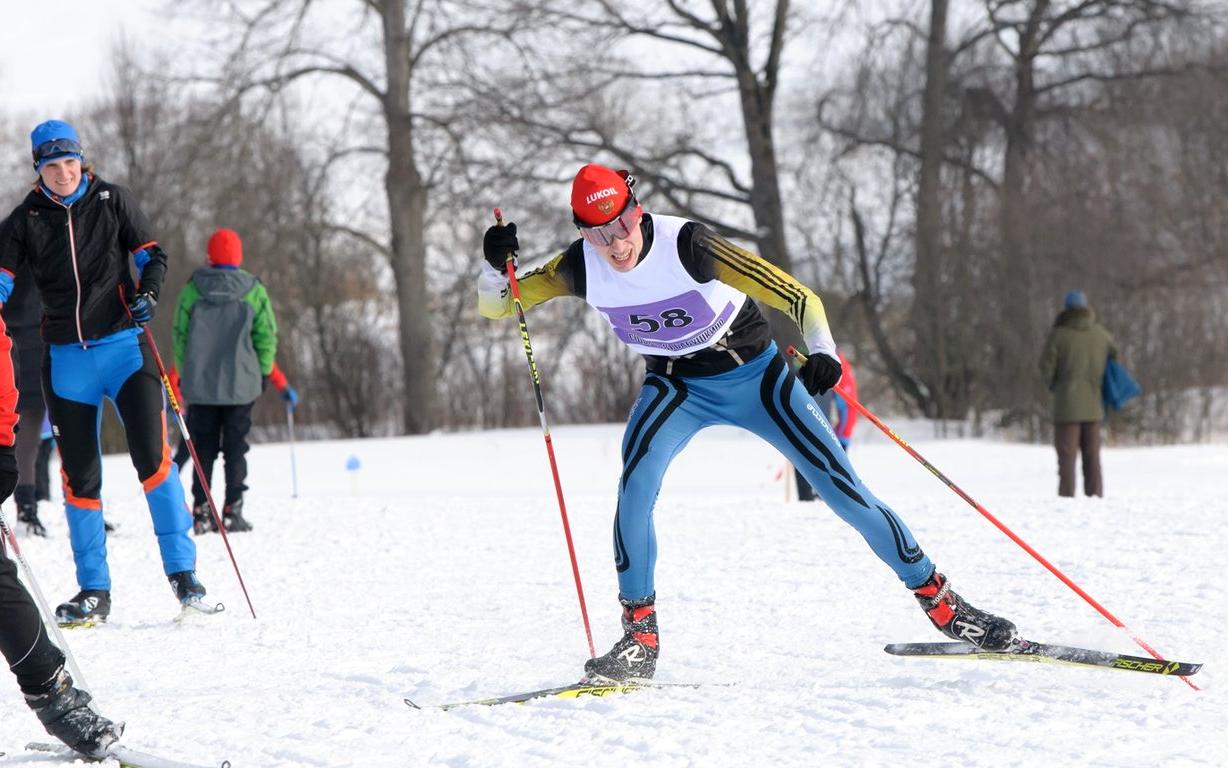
x,y
941,173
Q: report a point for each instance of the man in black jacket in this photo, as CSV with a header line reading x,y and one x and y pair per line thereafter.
x,y
78,235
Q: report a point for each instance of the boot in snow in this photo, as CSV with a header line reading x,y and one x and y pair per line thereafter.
x,y
65,712
634,657
188,588
202,520
27,510
954,618
87,607
232,517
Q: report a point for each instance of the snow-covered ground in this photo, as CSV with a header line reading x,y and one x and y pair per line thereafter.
x,y
439,571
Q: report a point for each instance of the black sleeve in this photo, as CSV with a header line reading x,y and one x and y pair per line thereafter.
x,y
696,259
135,235
573,269
12,241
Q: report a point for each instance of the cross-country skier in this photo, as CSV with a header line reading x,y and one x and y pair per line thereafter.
x,y
38,665
677,292
78,234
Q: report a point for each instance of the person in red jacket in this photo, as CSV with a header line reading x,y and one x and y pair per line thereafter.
x,y
63,709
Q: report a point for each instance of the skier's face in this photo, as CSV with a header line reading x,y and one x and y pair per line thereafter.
x,y
624,252
62,176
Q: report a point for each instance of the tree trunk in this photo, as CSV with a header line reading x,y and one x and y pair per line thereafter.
x,y
407,200
1017,349
929,295
757,112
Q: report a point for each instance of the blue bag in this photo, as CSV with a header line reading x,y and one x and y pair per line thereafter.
x,y
1118,387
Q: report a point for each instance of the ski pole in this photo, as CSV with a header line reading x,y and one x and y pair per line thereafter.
x,y
200,473
293,464
996,522
44,609
541,413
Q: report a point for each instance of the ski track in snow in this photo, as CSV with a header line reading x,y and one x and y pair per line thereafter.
x,y
439,571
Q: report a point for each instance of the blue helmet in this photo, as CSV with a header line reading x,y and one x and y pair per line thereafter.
x,y
52,140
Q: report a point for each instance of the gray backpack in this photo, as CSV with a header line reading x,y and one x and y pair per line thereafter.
x,y
220,366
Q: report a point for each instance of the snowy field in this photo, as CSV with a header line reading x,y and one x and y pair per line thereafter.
x,y
438,571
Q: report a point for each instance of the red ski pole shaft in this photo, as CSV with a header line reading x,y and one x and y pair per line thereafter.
x,y
996,522
541,413
200,473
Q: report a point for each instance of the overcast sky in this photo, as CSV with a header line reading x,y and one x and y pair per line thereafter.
x,y
55,52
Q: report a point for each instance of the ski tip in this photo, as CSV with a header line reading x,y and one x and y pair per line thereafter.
x,y
409,703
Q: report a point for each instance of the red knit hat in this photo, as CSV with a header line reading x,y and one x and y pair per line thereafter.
x,y
225,248
598,194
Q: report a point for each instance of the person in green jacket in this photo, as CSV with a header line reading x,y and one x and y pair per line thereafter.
x,y
1076,352
225,338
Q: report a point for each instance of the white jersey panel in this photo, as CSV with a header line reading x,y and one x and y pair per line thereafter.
x,y
658,308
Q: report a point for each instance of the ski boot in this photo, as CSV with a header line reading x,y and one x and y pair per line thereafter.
x,y
232,517
191,593
954,618
65,712
88,607
27,510
634,657
202,520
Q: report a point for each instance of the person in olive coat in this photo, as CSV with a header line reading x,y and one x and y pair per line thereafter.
x,y
1072,365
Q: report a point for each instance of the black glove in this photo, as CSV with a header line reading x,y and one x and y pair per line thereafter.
x,y
497,243
820,373
141,307
8,472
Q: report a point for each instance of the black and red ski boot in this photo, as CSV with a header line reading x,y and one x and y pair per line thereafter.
x,y
634,657
954,618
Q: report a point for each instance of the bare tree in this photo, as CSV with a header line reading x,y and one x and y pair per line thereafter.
x,y
405,76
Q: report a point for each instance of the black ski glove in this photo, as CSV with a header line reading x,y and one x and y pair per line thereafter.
x,y
497,243
8,472
820,373
141,307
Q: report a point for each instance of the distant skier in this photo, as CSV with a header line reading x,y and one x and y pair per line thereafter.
x,y
38,665
79,234
225,346
1072,366
677,292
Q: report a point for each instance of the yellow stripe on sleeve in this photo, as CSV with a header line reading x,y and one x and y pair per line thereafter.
x,y
536,286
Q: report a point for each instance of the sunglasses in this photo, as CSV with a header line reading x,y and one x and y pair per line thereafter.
x,y
622,226
55,148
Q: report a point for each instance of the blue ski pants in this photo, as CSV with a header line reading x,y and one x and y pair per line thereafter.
x,y
764,397
76,379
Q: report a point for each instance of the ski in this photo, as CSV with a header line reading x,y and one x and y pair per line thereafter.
x,y
85,624
573,691
1050,654
127,758
198,608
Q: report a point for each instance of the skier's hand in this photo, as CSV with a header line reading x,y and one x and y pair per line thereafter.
x,y
290,395
498,243
8,472
820,373
141,307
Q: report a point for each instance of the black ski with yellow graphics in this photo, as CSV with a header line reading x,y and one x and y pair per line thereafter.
x,y
1049,654
574,691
